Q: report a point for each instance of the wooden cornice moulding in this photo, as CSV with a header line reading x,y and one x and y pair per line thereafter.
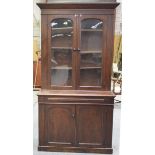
x,y
110,5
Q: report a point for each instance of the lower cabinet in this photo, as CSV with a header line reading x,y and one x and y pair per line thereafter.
x,y
75,128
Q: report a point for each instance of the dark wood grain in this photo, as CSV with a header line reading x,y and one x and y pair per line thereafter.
x,y
77,11
44,53
109,126
109,53
46,92
42,139
76,149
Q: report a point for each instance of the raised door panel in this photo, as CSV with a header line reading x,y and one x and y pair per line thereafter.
x,y
90,125
60,124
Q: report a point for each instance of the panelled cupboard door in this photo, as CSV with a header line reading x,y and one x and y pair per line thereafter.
x,y
92,126
60,125
92,49
61,45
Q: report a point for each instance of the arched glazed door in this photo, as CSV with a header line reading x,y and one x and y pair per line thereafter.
x,y
61,37
92,46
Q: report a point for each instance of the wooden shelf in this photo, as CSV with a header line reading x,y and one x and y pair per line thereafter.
x,y
92,30
64,31
62,28
65,67
67,48
61,67
87,52
95,67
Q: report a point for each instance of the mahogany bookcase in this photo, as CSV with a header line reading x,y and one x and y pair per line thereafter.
x,y
76,102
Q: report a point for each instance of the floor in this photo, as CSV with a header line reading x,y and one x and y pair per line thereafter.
x,y
116,131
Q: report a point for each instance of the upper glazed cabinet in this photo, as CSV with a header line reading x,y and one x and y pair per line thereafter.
x,y
77,45
77,49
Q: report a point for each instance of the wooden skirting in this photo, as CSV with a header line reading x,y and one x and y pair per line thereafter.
x,y
76,149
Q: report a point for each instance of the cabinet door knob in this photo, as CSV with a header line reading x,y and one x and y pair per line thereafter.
x,y
76,49
73,115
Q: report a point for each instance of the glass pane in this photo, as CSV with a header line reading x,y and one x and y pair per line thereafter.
x,y
62,33
91,52
61,77
61,58
91,40
91,59
61,52
90,77
92,24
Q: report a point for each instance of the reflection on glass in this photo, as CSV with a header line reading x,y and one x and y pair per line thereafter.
x,y
92,24
61,23
62,32
91,52
61,58
61,53
61,77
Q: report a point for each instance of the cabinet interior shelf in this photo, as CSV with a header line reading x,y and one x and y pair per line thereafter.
x,y
82,52
95,67
62,28
92,30
87,52
61,67
70,48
